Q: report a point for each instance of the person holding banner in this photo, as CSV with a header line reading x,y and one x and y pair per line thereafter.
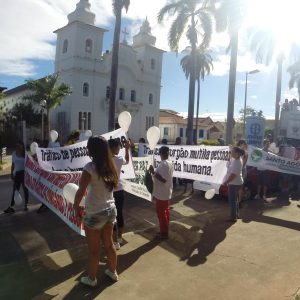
x,y
17,175
263,177
114,146
234,180
162,190
243,145
100,178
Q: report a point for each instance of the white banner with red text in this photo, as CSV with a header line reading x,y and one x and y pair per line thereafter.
x,y
47,187
74,157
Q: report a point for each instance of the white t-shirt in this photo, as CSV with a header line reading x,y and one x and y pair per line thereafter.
x,y
98,197
235,167
19,162
119,161
163,191
53,144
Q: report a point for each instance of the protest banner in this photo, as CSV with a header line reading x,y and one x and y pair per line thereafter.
x,y
270,161
74,157
136,186
47,187
207,164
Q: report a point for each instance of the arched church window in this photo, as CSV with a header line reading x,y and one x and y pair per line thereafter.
x,y
152,64
150,98
88,46
65,46
107,92
85,89
80,120
122,94
133,96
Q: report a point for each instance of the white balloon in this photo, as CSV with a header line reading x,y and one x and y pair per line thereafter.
x,y
210,194
53,135
18,198
33,147
124,120
153,135
69,192
88,133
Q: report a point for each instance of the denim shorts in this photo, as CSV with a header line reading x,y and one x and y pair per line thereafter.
x,y
98,220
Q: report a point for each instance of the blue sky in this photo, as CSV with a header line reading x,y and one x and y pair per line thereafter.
x,y
28,52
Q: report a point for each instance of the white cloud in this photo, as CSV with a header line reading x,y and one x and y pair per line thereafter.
x,y
31,37
253,97
290,94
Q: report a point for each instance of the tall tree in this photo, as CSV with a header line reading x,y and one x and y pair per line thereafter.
x,y
203,66
229,16
294,71
264,44
193,18
48,89
24,112
118,5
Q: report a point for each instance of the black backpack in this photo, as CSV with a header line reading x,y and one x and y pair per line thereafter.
x,y
148,181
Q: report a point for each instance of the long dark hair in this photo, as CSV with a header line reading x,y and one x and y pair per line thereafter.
x,y
102,158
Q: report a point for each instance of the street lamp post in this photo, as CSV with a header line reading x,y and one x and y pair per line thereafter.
x,y
43,104
245,102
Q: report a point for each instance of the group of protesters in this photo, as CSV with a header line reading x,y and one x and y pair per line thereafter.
x,y
103,218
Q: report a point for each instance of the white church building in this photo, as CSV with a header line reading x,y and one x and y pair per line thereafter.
x,y
85,67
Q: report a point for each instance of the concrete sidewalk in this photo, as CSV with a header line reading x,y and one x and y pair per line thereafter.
x,y
206,257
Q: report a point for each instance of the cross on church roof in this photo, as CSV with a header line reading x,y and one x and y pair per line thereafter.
x,y
125,32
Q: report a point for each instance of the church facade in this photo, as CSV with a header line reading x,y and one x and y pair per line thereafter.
x,y
85,67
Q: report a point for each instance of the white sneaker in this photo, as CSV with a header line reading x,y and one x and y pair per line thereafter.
x,y
117,245
88,281
257,197
112,275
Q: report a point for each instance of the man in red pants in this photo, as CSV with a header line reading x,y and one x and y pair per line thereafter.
x,y
162,190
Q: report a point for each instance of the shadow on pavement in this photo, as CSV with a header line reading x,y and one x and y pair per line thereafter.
x,y
256,208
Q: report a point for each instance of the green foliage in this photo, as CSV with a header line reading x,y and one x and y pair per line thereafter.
x,y
194,12
203,64
118,5
48,89
210,143
250,111
24,111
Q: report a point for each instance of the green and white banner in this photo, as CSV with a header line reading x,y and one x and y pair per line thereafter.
x,y
269,161
136,186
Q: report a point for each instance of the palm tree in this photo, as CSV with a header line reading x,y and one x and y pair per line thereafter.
x,y
294,71
264,43
203,67
118,5
229,16
48,89
193,18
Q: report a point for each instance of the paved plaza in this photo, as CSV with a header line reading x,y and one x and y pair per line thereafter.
x,y
205,258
